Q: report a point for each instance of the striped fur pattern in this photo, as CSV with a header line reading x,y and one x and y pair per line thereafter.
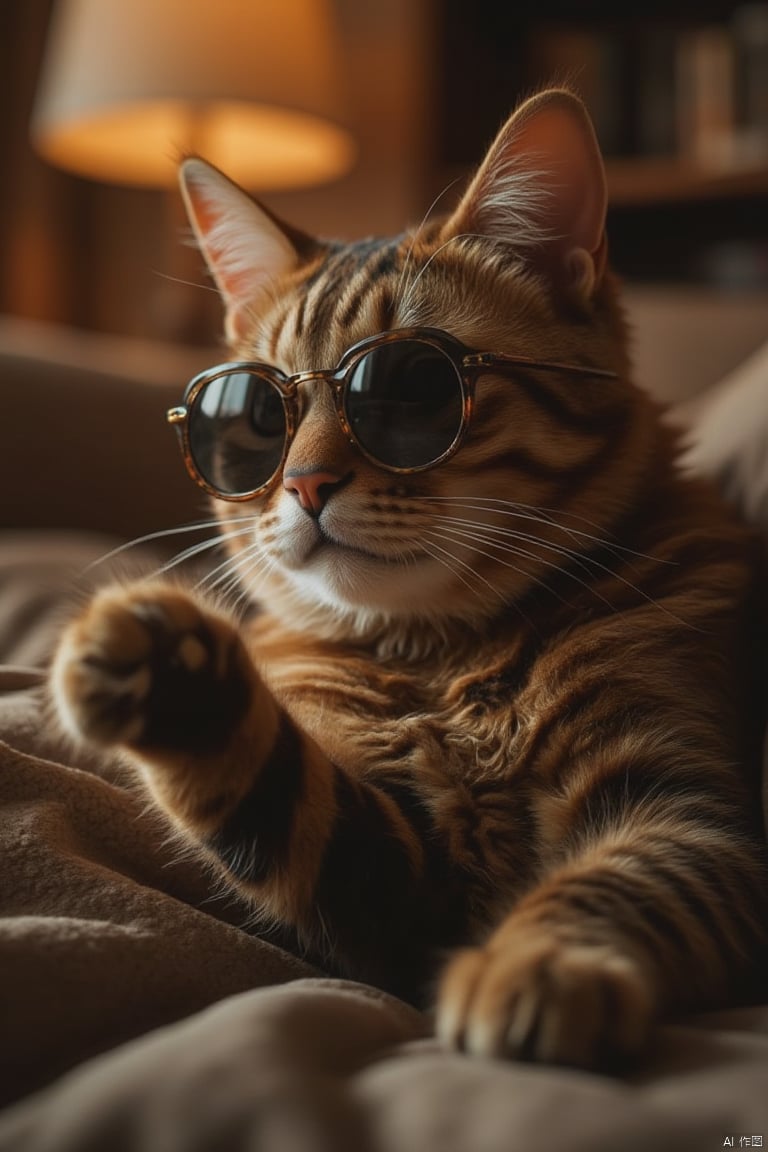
x,y
486,742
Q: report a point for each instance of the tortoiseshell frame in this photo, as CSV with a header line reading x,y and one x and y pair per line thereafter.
x,y
467,364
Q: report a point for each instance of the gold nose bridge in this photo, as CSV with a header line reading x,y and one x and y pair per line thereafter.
x,y
335,382
329,376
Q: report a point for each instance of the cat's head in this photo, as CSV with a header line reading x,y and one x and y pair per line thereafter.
x,y
518,269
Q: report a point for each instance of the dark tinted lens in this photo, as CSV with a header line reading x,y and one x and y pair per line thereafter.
x,y
237,432
404,403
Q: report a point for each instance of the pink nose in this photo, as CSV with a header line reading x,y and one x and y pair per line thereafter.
x,y
312,489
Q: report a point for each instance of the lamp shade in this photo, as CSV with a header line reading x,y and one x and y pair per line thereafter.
x,y
130,86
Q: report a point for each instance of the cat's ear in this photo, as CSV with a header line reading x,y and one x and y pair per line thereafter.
x,y
244,246
541,189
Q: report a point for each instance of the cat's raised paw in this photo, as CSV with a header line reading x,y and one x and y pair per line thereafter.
x,y
149,666
574,1004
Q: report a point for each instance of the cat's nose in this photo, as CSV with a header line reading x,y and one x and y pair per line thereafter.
x,y
313,489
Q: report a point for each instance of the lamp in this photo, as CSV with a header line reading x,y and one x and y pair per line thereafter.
x,y
129,86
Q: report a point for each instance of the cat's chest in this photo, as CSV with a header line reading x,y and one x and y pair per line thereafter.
x,y
455,715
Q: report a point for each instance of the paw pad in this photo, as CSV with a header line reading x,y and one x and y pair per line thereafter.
x,y
150,669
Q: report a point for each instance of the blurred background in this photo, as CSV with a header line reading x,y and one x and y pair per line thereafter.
x,y
348,118
678,92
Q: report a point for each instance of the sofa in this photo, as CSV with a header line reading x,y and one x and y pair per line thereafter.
x,y
140,1009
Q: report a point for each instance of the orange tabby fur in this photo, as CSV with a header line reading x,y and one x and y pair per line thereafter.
x,y
508,712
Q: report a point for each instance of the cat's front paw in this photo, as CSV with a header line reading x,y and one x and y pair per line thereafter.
x,y
544,1000
150,667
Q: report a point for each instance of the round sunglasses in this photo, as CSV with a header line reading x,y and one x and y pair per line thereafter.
x,y
403,398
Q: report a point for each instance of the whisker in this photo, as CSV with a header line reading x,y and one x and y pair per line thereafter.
x,y
409,290
432,551
236,587
523,553
503,546
475,573
581,559
199,526
204,546
403,287
546,516
229,570
186,283
457,560
222,572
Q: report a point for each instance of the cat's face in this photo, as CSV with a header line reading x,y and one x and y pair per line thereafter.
x,y
518,269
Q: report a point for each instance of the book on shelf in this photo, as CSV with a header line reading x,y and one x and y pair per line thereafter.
x,y
698,92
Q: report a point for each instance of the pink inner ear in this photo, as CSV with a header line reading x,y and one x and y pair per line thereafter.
x,y
244,246
541,190
234,282
207,217
556,133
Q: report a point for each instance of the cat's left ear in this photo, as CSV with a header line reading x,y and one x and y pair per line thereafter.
x,y
541,189
246,248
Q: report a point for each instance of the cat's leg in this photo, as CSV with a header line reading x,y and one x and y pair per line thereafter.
x,y
540,989
156,672
650,917
152,669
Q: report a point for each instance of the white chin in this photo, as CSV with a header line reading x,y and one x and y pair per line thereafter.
x,y
344,579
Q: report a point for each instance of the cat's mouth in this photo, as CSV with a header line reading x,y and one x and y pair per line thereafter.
x,y
328,544
355,562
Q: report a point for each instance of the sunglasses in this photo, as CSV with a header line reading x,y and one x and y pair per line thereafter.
x,y
403,398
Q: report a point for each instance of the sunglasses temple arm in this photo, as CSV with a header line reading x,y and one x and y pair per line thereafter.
x,y
487,361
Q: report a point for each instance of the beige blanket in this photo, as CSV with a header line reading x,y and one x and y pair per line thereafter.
x,y
137,1013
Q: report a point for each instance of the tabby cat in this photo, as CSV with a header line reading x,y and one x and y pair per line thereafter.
x,y
482,738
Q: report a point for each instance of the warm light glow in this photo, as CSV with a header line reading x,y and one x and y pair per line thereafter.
x,y
128,89
257,146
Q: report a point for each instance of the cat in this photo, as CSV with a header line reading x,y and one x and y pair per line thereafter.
x,y
485,738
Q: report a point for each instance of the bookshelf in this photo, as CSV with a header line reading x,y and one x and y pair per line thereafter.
x,y
679,95
648,180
